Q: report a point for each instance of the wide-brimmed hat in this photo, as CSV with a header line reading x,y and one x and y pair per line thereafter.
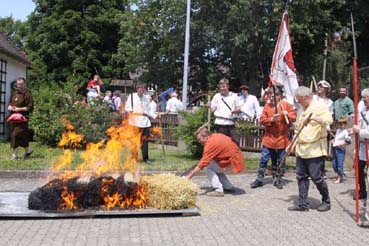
x,y
324,84
342,120
244,87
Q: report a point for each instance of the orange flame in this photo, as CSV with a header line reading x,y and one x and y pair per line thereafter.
x,y
70,138
155,132
68,200
118,154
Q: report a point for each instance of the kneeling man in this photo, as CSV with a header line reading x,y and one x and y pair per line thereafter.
x,y
219,152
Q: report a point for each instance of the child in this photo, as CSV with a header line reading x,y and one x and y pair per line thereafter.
x,y
339,149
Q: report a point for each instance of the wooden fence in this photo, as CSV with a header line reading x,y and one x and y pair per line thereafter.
x,y
248,142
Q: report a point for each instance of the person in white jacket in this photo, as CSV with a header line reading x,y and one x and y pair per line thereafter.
x,y
174,104
138,107
363,130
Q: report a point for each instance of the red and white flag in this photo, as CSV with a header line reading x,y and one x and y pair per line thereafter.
x,y
283,71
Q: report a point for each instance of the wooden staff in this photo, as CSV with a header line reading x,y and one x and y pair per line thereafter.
x,y
292,144
209,112
285,116
185,173
161,129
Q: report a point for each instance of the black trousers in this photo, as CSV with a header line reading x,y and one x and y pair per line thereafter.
x,y
230,131
145,143
362,177
311,167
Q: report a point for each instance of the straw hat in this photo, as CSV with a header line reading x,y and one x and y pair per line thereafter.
x,y
342,120
324,84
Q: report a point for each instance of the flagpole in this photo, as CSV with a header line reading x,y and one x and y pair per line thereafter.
x,y
186,51
356,122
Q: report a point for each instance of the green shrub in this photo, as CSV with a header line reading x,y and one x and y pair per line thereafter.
x,y
186,130
56,101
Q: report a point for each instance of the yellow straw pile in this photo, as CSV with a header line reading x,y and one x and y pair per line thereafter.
x,y
167,191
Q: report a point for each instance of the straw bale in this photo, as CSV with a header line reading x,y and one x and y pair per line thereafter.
x,y
167,191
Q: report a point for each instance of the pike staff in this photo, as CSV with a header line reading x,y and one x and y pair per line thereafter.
x,y
209,111
291,146
355,121
160,125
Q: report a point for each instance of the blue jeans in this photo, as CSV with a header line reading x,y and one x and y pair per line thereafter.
x,y
267,154
338,158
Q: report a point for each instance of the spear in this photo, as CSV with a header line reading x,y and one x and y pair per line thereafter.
x,y
160,123
355,121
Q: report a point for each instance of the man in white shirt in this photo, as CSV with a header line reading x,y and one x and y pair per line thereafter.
x,y
174,104
324,88
152,104
224,105
138,107
249,105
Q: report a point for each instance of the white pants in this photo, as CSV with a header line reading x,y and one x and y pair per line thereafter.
x,y
217,177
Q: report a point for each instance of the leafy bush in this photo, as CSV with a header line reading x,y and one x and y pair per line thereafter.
x,y
56,101
186,130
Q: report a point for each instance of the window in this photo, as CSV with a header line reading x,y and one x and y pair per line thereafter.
x,y
3,64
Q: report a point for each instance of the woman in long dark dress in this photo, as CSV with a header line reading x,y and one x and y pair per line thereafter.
x,y
21,101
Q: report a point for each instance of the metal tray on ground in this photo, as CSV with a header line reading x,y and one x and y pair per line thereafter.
x,y
15,205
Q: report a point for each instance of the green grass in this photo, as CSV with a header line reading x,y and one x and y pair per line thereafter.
x,y
43,157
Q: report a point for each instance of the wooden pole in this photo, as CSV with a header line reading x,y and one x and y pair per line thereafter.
x,y
209,111
160,125
356,101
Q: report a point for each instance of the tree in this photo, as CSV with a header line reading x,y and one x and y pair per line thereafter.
x,y
16,30
73,39
234,39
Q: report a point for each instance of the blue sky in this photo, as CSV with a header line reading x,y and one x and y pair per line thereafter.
x,y
19,9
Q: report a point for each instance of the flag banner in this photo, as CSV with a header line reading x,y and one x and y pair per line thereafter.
x,y
283,71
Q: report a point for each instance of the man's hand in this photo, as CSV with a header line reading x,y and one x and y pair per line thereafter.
x,y
356,129
274,118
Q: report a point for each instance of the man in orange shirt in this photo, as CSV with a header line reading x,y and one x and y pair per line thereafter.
x,y
219,153
276,137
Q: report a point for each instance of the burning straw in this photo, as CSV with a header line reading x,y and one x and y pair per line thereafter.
x,y
97,182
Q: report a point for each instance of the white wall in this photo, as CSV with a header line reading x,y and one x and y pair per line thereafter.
x,y
14,70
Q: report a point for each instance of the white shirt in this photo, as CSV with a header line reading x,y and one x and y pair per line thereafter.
x,y
117,102
250,107
219,107
326,101
153,107
140,111
173,105
340,137
363,134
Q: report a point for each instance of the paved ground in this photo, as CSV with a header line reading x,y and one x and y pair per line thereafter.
x,y
249,217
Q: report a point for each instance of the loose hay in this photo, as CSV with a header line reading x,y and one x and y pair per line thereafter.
x,y
167,191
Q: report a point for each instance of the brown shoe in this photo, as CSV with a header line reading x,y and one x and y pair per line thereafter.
x,y
215,194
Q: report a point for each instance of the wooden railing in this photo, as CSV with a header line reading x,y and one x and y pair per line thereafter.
x,y
248,142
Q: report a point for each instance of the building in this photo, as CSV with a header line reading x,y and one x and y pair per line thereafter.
x,y
13,64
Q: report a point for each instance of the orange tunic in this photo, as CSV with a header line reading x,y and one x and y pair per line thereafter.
x,y
276,133
224,151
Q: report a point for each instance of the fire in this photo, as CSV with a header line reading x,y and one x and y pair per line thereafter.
x,y
155,132
117,154
68,200
70,138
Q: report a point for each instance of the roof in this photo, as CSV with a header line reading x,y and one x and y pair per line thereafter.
x,y
8,48
121,82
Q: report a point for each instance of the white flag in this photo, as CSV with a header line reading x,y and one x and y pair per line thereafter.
x,y
283,71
